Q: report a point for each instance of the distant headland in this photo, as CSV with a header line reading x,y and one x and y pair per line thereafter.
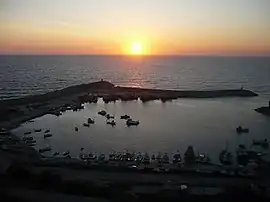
x,y
16,111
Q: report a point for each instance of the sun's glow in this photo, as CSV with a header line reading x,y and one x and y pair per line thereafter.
x,y
137,48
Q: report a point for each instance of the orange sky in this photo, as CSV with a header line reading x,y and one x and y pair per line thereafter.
x,y
101,27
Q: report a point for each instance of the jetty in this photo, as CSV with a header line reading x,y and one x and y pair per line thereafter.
x,y
17,111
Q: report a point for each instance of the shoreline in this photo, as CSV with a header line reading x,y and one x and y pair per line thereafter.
x,y
17,111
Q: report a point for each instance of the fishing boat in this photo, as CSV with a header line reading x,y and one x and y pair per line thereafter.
x,y
47,131
225,157
203,159
66,153
240,129
27,138
159,158
47,136
165,158
101,157
125,117
153,157
28,133
91,121
38,130
131,122
146,159
102,112
91,157
108,116
262,143
177,157
242,155
86,125
112,122
45,149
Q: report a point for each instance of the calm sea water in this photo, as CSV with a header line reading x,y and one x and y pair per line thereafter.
x,y
27,75
207,124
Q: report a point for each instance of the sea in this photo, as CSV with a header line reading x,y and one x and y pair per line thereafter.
x,y
206,124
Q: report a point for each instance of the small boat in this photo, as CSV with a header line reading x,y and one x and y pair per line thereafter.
x,y
102,113
91,156
262,143
131,122
47,135
38,130
47,131
66,153
30,141
165,158
159,158
112,156
27,138
28,133
4,132
112,123
242,155
90,121
146,159
56,153
125,117
76,129
86,125
139,157
203,159
240,129
108,116
177,157
101,157
45,149
225,157
153,157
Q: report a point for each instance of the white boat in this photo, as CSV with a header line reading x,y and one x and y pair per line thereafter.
x,y
47,135
131,122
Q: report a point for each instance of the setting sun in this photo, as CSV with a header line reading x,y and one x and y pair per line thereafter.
x,y
137,48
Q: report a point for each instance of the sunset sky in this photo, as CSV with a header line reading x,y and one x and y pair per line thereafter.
x,y
220,27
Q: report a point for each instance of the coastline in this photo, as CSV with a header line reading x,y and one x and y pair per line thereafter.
x,y
17,111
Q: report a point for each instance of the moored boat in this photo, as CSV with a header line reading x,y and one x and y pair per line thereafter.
x,y
102,112
240,129
91,121
125,116
177,157
38,130
262,143
47,136
27,138
225,157
86,125
131,122
190,157
45,149
112,122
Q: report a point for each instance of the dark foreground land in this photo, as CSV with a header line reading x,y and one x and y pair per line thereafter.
x,y
17,111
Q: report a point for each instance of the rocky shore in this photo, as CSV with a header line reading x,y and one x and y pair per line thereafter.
x,y
17,111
